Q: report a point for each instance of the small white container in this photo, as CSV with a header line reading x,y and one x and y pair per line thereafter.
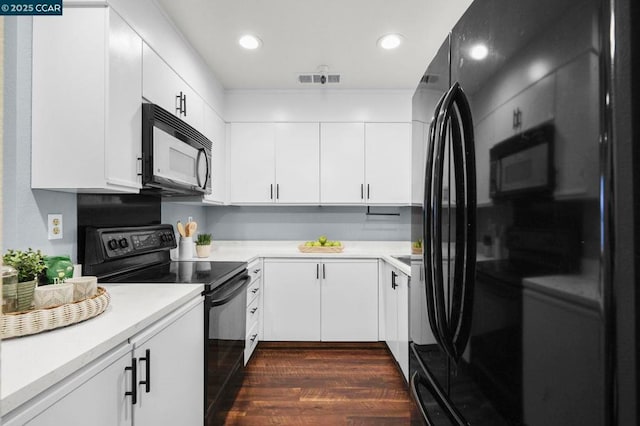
x,y
83,287
48,296
185,249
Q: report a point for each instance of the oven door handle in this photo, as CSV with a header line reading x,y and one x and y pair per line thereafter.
x,y
230,291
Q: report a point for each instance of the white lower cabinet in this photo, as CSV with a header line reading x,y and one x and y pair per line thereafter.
x,y
254,310
321,300
396,312
170,358
168,382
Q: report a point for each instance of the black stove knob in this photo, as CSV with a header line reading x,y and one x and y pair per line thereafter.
x,y
164,238
123,243
113,244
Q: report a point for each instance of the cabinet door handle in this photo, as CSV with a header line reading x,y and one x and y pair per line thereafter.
x,y
253,338
179,104
184,111
255,271
255,290
324,271
393,280
271,191
368,192
253,311
362,191
317,271
147,369
133,393
277,191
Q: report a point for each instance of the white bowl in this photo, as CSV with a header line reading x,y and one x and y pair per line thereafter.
x,y
48,296
83,287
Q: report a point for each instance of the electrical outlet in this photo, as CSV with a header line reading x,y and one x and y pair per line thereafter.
x,y
54,225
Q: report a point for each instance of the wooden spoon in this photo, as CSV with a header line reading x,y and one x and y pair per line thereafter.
x,y
181,229
191,229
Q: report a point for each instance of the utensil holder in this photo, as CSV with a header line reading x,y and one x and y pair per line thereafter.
x,y
185,248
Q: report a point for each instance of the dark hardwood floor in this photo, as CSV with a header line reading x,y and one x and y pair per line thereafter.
x,y
322,384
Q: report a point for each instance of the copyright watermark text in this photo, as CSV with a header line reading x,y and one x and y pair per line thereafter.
x,y
33,7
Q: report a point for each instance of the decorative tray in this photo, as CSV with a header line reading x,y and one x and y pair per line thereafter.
x,y
320,249
23,323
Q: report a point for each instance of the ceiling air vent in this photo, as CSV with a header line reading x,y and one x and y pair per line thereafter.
x,y
318,78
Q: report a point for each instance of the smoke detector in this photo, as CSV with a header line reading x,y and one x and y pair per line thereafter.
x,y
321,76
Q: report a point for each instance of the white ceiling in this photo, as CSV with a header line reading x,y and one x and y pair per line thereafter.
x,y
300,35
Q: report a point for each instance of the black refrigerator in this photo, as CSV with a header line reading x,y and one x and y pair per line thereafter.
x,y
523,281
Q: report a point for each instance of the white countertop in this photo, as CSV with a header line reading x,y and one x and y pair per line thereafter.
x,y
31,364
247,251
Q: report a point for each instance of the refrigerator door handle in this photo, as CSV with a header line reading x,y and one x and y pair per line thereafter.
x,y
456,115
427,237
453,316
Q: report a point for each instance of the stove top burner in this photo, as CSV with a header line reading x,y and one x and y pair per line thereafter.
x,y
212,274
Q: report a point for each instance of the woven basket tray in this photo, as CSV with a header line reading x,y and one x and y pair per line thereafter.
x,y
320,249
31,322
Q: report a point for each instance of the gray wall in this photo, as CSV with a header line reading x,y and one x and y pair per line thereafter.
x,y
307,223
24,218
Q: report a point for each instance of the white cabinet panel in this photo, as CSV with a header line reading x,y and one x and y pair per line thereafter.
x,y
291,300
161,85
396,311
297,163
252,162
341,163
96,393
349,295
331,300
87,111
175,395
215,130
388,163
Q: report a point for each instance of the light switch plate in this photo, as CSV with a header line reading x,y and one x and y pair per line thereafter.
x,y
54,226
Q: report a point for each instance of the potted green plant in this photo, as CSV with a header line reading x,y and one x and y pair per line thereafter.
x,y
29,265
203,245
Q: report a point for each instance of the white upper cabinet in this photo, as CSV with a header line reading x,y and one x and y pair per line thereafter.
x,y
274,163
388,163
297,163
215,130
162,86
252,175
86,102
342,163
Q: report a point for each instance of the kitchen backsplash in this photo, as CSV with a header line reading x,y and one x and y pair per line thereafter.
x,y
307,223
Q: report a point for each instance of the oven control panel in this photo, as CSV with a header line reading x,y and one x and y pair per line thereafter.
x,y
126,242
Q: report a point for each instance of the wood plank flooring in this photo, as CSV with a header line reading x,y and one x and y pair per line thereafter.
x,y
322,384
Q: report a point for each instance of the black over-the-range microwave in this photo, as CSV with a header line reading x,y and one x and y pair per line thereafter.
x,y
176,158
523,164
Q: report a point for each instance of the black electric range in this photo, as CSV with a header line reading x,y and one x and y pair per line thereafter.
x,y
142,255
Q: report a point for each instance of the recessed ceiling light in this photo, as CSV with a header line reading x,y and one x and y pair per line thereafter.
x,y
479,51
390,41
250,42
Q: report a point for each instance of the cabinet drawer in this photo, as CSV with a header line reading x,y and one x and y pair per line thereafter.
x,y
252,313
250,343
253,290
